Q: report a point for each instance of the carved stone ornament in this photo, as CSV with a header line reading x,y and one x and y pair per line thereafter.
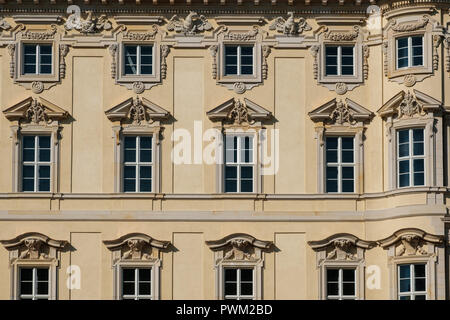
x,y
137,111
236,112
341,247
45,35
192,24
337,112
290,26
239,36
135,247
341,88
37,87
63,51
35,111
409,104
315,53
408,27
89,25
141,36
239,247
342,36
239,87
164,53
138,87
4,25
33,246
410,80
12,65
213,50
265,53
411,242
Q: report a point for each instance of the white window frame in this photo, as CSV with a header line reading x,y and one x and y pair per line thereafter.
x,y
412,293
34,295
239,48
411,158
410,52
138,59
138,163
339,60
238,295
340,164
136,296
37,59
341,296
36,163
238,164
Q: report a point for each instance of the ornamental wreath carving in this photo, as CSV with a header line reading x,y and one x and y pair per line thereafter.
x,y
290,26
90,24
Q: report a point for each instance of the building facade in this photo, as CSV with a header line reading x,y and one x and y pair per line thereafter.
x,y
224,150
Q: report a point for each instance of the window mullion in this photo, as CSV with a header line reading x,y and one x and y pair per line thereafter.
x,y
238,51
136,283
238,284
410,49
38,59
138,60
34,286
339,60
36,163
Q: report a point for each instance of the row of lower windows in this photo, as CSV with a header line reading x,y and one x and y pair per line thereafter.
x,y
239,164
239,59
238,283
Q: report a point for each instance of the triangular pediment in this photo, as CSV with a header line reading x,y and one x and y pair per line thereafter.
x,y
35,110
409,100
137,110
336,111
236,111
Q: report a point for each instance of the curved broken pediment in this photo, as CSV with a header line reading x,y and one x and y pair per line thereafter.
x,y
135,246
235,111
137,111
340,113
36,111
411,241
33,245
409,104
342,246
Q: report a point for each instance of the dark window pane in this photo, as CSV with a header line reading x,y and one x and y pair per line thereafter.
x,y
129,185
29,69
402,63
146,142
230,172
44,155
347,51
402,53
230,274
145,172
332,156
231,186
46,49
130,50
247,289
403,150
418,165
348,289
230,69
405,298
28,141
402,42
348,186
417,41
332,172
403,136
42,274
148,50
145,274
128,274
419,285
246,275
144,288
347,173
405,285
145,185
405,271
419,179
332,143
420,297
418,135
28,171
42,287
44,171
417,51
46,59
331,61
247,50
332,289
418,61
146,69
44,142
419,270
347,143
332,186
28,185
26,287
230,50
128,288
347,71
348,275
247,70
247,60
246,185
347,156
130,142
331,71
28,155
404,180
230,288
246,172
45,69
404,166
26,274
329,50
44,185
130,155
29,49
145,156
129,172
332,275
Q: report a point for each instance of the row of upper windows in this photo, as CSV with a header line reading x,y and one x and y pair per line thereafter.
x,y
239,59
138,167
238,283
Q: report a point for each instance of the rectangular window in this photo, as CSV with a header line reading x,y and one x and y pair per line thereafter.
x,y
137,164
238,284
410,157
136,283
341,284
34,283
339,60
410,52
138,60
239,163
340,164
37,59
412,282
238,60
36,157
